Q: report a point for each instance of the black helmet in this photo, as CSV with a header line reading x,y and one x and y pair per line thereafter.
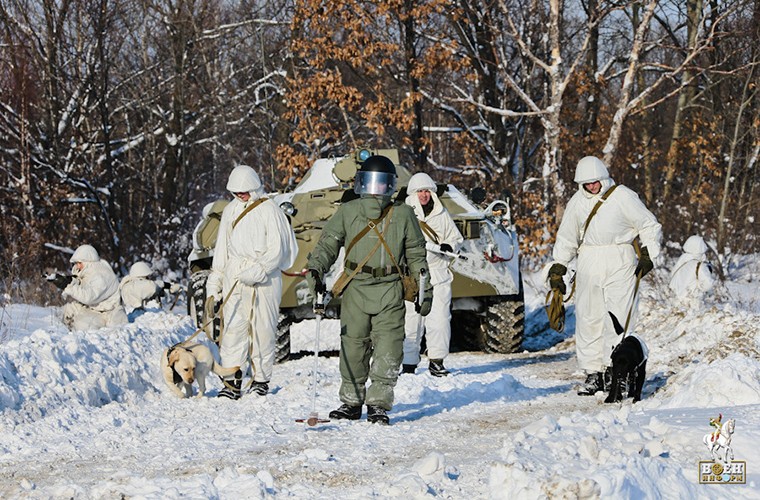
x,y
377,176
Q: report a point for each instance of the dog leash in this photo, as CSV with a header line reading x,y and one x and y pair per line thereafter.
x,y
203,327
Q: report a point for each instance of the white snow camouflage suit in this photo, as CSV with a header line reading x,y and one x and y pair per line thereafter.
x,y
250,257
437,324
95,292
605,279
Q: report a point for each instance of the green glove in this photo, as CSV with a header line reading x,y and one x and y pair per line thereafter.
x,y
645,264
556,272
315,283
427,303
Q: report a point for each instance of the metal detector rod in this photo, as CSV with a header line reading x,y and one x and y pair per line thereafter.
x,y
316,366
423,284
319,310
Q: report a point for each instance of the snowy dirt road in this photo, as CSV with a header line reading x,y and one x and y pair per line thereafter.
x,y
152,437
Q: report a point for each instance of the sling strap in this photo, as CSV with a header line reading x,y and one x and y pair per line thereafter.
x,y
429,232
595,210
554,300
248,210
387,249
591,215
368,227
341,284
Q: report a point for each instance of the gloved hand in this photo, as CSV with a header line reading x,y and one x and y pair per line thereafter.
x,y
157,295
445,247
214,289
315,283
427,303
645,264
59,280
251,276
174,288
556,272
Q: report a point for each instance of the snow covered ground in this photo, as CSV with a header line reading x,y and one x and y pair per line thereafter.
x,y
87,415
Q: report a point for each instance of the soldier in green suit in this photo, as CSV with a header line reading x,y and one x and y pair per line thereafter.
x,y
381,238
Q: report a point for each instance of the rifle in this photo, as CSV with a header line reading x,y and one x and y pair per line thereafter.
x,y
59,280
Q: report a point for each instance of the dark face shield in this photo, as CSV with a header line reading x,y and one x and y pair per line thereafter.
x,y
375,183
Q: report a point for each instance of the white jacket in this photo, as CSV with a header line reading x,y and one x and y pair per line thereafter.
x,y
95,286
692,275
252,254
445,229
605,275
136,291
619,220
262,244
96,300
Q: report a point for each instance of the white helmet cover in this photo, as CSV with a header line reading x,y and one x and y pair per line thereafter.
x,y
590,169
421,182
140,270
695,245
85,253
243,179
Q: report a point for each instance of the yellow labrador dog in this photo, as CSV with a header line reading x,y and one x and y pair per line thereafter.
x,y
182,365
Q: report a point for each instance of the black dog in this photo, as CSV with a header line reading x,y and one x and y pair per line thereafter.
x,y
629,367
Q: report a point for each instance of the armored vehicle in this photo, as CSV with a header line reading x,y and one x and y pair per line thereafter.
x,y
487,303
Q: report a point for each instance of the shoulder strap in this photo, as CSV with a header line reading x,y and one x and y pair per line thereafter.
x,y
387,249
248,209
370,225
596,209
429,231
698,264
337,292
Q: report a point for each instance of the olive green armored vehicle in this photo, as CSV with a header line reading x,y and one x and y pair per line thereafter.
x,y
487,303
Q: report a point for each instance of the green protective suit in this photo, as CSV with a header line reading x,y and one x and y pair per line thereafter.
x,y
372,307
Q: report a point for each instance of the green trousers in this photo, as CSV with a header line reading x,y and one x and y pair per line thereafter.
x,y
371,341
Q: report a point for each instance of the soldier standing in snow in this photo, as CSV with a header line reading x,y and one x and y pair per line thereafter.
x,y
692,275
602,239
380,237
255,243
94,291
441,235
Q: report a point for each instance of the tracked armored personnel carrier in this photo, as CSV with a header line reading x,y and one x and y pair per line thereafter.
x,y
487,303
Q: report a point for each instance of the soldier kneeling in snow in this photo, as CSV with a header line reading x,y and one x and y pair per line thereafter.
x,y
94,290
692,276
139,291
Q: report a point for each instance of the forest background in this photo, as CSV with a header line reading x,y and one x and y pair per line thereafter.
x,y
120,120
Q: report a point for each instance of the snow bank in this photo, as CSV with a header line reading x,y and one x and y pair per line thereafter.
x,y
587,456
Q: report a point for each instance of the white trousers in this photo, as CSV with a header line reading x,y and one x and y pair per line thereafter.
x,y
604,284
77,316
436,327
251,315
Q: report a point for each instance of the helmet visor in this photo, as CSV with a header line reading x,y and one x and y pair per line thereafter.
x,y
375,183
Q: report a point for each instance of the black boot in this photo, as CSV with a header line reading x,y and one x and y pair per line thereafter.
x,y
377,415
259,388
594,382
437,369
607,379
346,412
408,369
231,389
